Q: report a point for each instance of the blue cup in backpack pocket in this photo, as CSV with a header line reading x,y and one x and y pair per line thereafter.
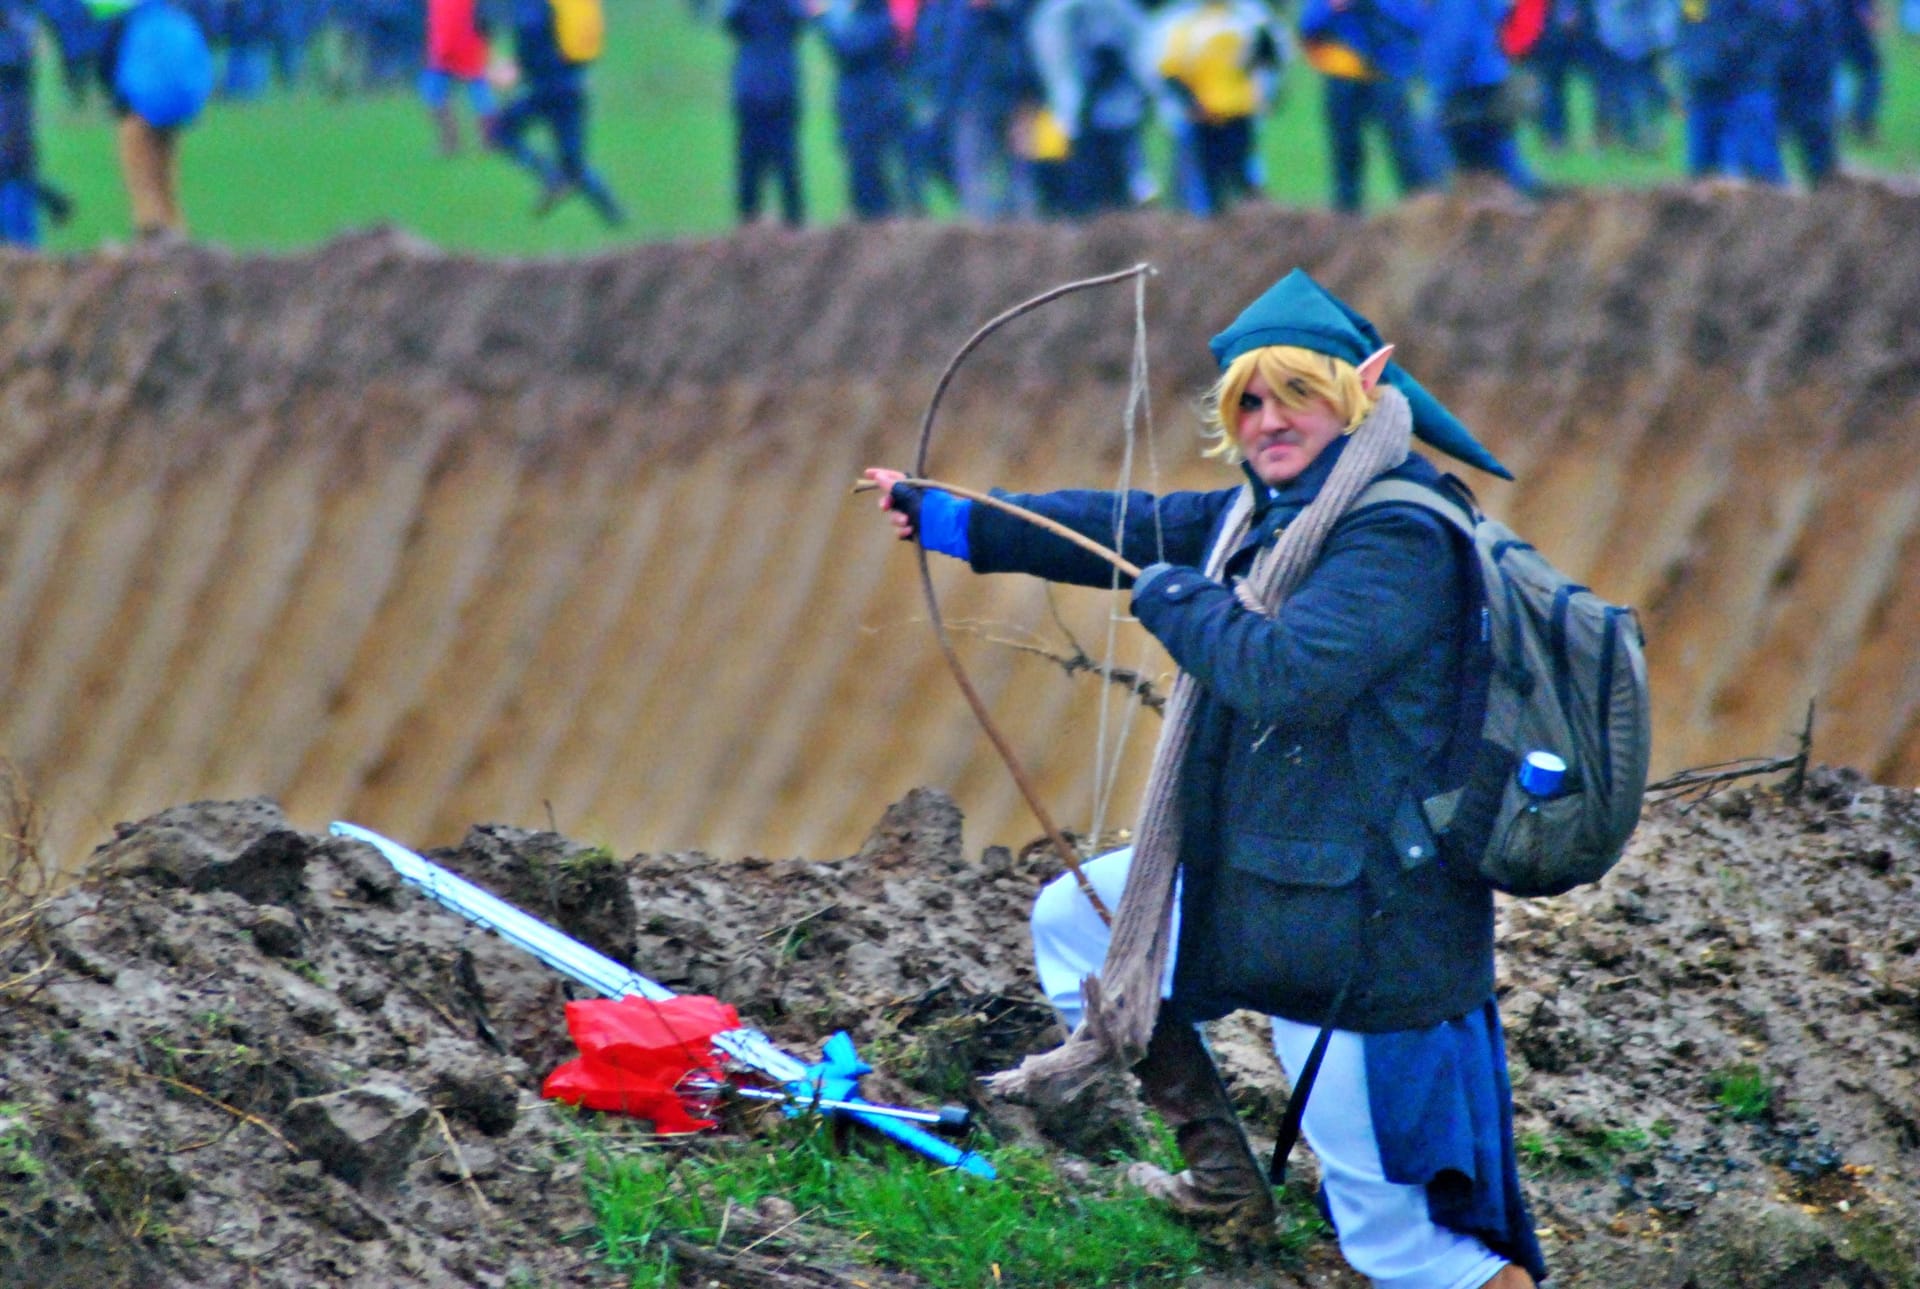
x,y
1541,773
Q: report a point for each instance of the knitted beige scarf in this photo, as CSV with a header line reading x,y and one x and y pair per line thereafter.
x,y
1122,1001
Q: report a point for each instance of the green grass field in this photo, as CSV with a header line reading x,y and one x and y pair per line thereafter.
x,y
294,169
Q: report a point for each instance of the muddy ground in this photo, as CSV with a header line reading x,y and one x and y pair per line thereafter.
x,y
240,1054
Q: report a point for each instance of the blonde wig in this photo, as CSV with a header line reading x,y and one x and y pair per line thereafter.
x,y
1297,376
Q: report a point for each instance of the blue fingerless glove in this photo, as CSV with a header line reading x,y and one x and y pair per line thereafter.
x,y
1148,576
939,518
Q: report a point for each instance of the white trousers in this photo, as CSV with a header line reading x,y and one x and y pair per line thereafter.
x,y
1386,1231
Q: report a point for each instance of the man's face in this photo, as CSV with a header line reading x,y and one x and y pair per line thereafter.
x,y
1279,442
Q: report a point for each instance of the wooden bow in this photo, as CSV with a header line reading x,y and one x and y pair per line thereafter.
x,y
1061,846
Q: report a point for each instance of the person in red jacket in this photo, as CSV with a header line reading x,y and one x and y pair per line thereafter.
x,y
457,51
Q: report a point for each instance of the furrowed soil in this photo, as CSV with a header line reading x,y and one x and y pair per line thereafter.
x,y
417,540
239,1054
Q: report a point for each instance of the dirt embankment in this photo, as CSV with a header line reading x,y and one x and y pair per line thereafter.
x,y
416,539
250,1056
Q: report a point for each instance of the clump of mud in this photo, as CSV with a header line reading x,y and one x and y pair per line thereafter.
x,y
256,1056
241,1054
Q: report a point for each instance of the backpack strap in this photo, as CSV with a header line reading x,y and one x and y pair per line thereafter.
x,y
1411,836
1289,1130
1450,500
1453,503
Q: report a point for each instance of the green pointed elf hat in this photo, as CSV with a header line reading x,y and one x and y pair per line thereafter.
x,y
1297,310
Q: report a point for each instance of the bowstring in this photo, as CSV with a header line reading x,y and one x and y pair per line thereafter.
x,y
1109,746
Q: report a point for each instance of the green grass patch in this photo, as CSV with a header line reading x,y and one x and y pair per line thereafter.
x,y
1583,1153
1743,1091
19,1162
296,168
1884,1244
1031,1227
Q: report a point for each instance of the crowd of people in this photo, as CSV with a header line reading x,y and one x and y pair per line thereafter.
x,y
520,64
1041,108
1036,108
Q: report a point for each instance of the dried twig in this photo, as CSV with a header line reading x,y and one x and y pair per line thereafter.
x,y
787,1225
24,881
1139,685
26,977
212,1100
1134,682
1704,780
798,922
1798,779
460,1162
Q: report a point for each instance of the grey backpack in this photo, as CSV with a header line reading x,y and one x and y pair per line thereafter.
x,y
1552,669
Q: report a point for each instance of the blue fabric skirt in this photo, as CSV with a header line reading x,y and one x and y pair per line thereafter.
x,y
1443,1115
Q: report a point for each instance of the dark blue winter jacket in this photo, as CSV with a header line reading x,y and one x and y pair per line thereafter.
x,y
765,33
536,47
74,27
1462,50
1313,735
1810,47
1729,47
17,27
985,64
1384,32
246,22
866,50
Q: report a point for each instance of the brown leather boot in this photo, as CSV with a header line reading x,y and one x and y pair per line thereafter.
x,y
1222,1181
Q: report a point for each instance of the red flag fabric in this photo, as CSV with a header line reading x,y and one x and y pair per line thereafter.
x,y
635,1052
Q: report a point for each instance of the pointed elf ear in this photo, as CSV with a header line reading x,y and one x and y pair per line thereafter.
x,y
1372,366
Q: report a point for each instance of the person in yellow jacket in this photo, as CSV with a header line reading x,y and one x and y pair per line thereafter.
x,y
1222,60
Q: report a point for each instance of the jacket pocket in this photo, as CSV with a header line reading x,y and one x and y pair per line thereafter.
x,y
1291,861
1279,932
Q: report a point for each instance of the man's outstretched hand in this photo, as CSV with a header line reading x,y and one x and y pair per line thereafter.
x,y
899,499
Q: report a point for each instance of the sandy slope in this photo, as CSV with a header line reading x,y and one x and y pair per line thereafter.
x,y
416,539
